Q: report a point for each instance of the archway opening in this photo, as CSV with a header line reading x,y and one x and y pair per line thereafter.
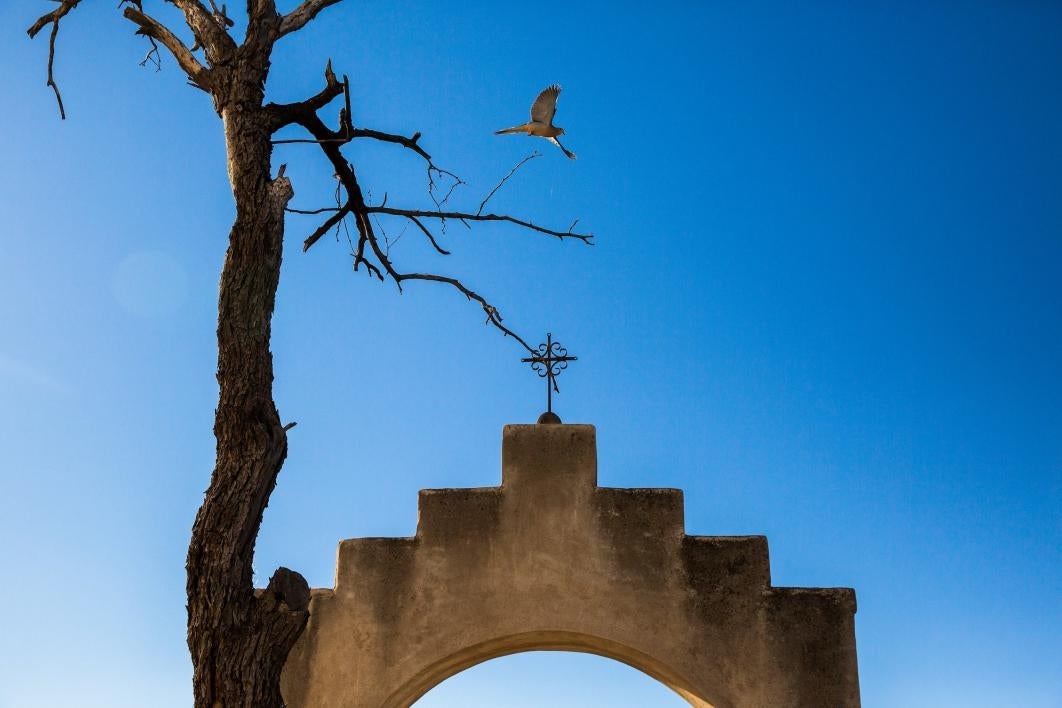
x,y
433,675
560,679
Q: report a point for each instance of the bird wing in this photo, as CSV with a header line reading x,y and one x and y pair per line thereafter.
x,y
568,153
545,106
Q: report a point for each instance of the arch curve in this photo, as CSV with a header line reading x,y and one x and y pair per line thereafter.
x,y
552,640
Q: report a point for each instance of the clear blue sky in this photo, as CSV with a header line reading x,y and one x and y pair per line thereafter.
x,y
825,300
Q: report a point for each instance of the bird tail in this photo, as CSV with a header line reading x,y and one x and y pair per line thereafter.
x,y
514,129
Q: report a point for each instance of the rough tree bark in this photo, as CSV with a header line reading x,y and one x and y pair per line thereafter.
x,y
239,638
239,641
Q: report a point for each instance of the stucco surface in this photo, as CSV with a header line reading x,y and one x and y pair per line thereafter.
x,y
549,560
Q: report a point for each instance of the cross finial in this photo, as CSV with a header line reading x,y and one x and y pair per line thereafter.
x,y
548,361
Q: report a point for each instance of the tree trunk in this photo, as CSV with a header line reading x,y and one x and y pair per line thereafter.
x,y
239,641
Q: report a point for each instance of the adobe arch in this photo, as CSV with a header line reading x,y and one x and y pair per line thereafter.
x,y
549,560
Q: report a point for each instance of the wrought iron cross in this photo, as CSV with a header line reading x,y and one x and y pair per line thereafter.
x,y
548,361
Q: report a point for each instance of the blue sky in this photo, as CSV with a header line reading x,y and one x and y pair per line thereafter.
x,y
825,301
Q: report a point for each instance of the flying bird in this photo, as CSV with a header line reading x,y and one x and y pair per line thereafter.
x,y
541,125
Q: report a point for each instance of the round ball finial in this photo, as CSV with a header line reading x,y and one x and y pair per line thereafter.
x,y
549,418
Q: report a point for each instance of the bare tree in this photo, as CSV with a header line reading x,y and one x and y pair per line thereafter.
x,y
240,639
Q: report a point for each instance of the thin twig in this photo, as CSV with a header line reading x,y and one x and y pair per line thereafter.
x,y
148,26
466,217
427,233
457,182
51,60
53,17
325,227
519,164
153,56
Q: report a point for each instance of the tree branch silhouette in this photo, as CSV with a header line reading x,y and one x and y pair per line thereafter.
x,y
368,251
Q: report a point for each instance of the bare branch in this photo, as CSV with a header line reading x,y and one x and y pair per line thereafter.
x,y
283,114
53,18
504,179
302,14
330,142
410,143
153,29
427,233
307,141
322,210
326,226
361,211
365,227
493,316
262,22
370,268
457,182
209,28
153,56
51,61
286,114
465,216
